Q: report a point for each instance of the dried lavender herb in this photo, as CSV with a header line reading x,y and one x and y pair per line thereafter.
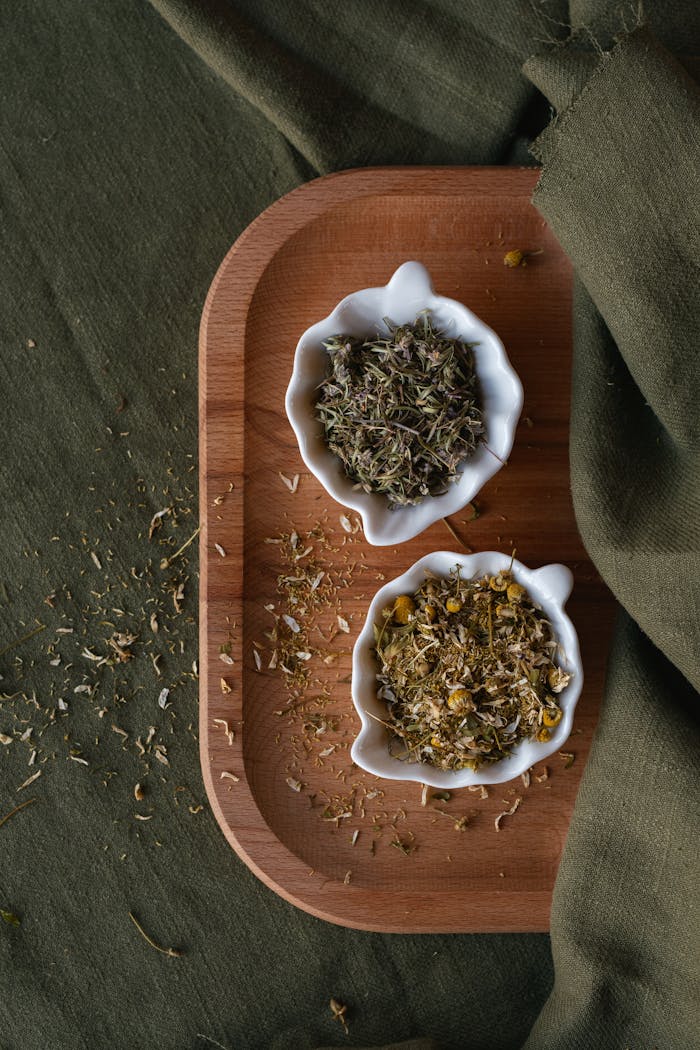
x,y
467,670
402,413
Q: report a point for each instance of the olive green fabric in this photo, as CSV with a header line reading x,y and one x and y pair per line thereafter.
x,y
137,142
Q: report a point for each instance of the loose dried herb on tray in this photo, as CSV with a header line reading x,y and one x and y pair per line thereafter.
x,y
467,670
402,413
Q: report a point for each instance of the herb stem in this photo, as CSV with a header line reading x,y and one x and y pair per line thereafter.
x,y
455,534
200,1035
174,953
168,561
24,638
12,812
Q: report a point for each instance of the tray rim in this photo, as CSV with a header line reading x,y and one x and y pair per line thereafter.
x,y
252,838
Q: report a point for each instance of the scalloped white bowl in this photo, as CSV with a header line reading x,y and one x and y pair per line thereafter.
x,y
549,587
362,315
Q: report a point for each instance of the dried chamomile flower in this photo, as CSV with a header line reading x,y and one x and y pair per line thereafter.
x,y
467,671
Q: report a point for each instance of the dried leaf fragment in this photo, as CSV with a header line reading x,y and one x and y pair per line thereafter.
x,y
226,728
179,597
295,785
157,521
339,1010
225,687
163,698
10,918
569,758
139,793
161,755
506,813
229,776
30,780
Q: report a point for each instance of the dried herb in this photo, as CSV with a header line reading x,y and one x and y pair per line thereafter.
x,y
402,412
22,805
516,257
506,813
455,535
167,562
467,670
405,846
213,1042
339,1011
513,258
174,953
24,638
10,918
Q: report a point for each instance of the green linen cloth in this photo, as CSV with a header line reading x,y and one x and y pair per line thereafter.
x,y
137,142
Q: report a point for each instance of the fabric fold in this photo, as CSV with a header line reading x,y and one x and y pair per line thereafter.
x,y
618,187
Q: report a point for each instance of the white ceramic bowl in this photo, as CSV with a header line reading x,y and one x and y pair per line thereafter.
x,y
362,314
549,587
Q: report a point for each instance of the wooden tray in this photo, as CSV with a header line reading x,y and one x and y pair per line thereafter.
x,y
287,270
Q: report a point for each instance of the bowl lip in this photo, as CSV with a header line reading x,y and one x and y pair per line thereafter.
x,y
550,586
382,526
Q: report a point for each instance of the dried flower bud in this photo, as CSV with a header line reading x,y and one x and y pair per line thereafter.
x,y
404,608
513,258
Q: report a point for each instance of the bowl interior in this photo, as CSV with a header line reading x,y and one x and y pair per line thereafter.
x,y
548,586
364,314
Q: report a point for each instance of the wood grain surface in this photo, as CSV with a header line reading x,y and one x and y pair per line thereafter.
x,y
287,270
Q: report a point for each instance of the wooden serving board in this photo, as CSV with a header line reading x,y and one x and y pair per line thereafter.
x,y
287,270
